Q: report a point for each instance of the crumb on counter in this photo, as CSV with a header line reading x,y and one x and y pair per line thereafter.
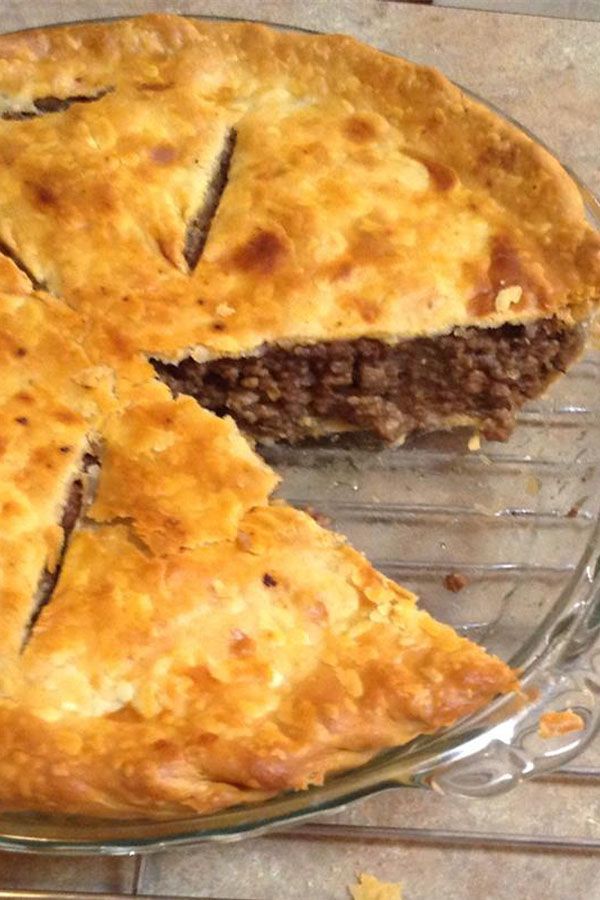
x,y
574,511
554,724
455,582
371,888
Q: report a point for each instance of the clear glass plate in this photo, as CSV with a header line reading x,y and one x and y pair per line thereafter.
x,y
521,522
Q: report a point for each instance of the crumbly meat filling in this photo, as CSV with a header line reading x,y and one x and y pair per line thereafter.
x,y
288,394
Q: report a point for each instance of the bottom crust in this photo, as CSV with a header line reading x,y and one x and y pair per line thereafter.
x,y
471,376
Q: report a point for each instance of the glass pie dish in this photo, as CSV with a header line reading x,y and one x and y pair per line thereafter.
x,y
517,526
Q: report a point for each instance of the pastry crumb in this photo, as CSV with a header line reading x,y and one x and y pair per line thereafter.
x,y
320,518
555,724
533,485
507,296
371,888
474,442
573,512
455,582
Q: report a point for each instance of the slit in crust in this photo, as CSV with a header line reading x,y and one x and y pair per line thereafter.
x,y
199,227
470,376
11,254
78,498
42,106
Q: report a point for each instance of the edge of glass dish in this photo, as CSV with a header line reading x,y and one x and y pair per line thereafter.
x,y
486,754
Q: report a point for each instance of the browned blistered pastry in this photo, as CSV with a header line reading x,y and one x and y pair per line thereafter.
x,y
304,235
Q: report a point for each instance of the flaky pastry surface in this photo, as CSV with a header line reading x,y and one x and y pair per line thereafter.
x,y
224,673
366,196
203,647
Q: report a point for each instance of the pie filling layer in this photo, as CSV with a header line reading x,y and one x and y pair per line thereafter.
x,y
473,375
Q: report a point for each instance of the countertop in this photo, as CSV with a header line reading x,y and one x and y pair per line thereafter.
x,y
545,71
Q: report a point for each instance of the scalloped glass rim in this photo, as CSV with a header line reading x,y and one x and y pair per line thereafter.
x,y
485,754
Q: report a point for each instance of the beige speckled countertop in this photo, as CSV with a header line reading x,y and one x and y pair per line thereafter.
x,y
545,71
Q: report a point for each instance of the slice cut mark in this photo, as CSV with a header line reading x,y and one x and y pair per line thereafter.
x,y
42,106
11,254
79,497
198,229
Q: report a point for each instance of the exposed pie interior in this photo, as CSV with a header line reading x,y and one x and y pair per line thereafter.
x,y
295,231
473,376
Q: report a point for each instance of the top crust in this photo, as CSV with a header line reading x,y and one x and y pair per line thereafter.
x,y
225,673
203,646
366,196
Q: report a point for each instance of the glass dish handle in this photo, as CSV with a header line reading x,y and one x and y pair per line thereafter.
x,y
513,750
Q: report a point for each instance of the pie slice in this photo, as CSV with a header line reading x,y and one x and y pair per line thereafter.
x,y
239,668
200,223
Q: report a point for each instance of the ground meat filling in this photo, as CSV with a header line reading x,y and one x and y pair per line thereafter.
x,y
417,385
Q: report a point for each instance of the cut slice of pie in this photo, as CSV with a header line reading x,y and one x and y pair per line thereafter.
x,y
224,673
302,234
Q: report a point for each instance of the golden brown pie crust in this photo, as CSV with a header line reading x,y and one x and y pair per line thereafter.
x,y
204,647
